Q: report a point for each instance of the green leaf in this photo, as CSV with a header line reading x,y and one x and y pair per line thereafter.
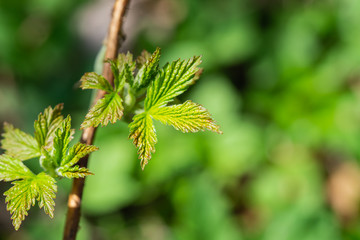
x,y
108,109
50,160
23,194
13,169
19,144
74,172
46,192
148,70
63,136
46,125
77,152
142,132
19,199
186,117
122,69
173,80
93,80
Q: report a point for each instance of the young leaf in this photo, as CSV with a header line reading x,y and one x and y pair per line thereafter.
x,y
23,194
148,70
173,80
122,69
18,144
108,109
93,80
63,136
19,199
50,160
73,172
186,117
46,125
142,132
46,192
68,168
13,169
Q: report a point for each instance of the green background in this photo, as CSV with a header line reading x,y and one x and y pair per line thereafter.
x,y
281,78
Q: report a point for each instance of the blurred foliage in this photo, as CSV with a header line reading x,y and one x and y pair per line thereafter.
x,y
282,80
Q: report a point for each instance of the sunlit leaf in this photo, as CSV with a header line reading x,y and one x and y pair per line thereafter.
x,y
186,117
148,70
23,194
13,169
173,80
93,80
19,144
108,109
76,152
73,172
142,132
46,125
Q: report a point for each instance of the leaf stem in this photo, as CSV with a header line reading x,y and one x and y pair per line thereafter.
x,y
87,137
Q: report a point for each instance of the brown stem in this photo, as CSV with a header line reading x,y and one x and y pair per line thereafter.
x,y
87,137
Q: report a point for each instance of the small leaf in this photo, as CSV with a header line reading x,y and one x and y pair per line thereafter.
x,y
23,194
173,80
46,125
186,117
74,172
77,152
19,199
19,144
46,192
142,132
143,58
13,169
108,109
63,136
122,69
93,80
148,70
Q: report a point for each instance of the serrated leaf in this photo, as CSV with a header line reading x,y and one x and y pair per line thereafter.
x,y
19,144
142,132
68,168
23,194
19,199
50,160
46,192
73,172
93,80
77,152
46,124
108,109
173,80
148,70
186,117
122,69
63,136
13,169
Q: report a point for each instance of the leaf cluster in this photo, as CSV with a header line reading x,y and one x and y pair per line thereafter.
x,y
50,144
143,92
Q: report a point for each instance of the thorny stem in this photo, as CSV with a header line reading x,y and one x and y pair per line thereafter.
x,y
87,137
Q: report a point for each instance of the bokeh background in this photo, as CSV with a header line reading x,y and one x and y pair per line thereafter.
x,y
281,77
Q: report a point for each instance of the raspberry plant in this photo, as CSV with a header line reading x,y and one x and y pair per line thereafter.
x,y
142,92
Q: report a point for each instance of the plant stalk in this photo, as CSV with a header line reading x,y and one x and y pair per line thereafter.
x,y
88,134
